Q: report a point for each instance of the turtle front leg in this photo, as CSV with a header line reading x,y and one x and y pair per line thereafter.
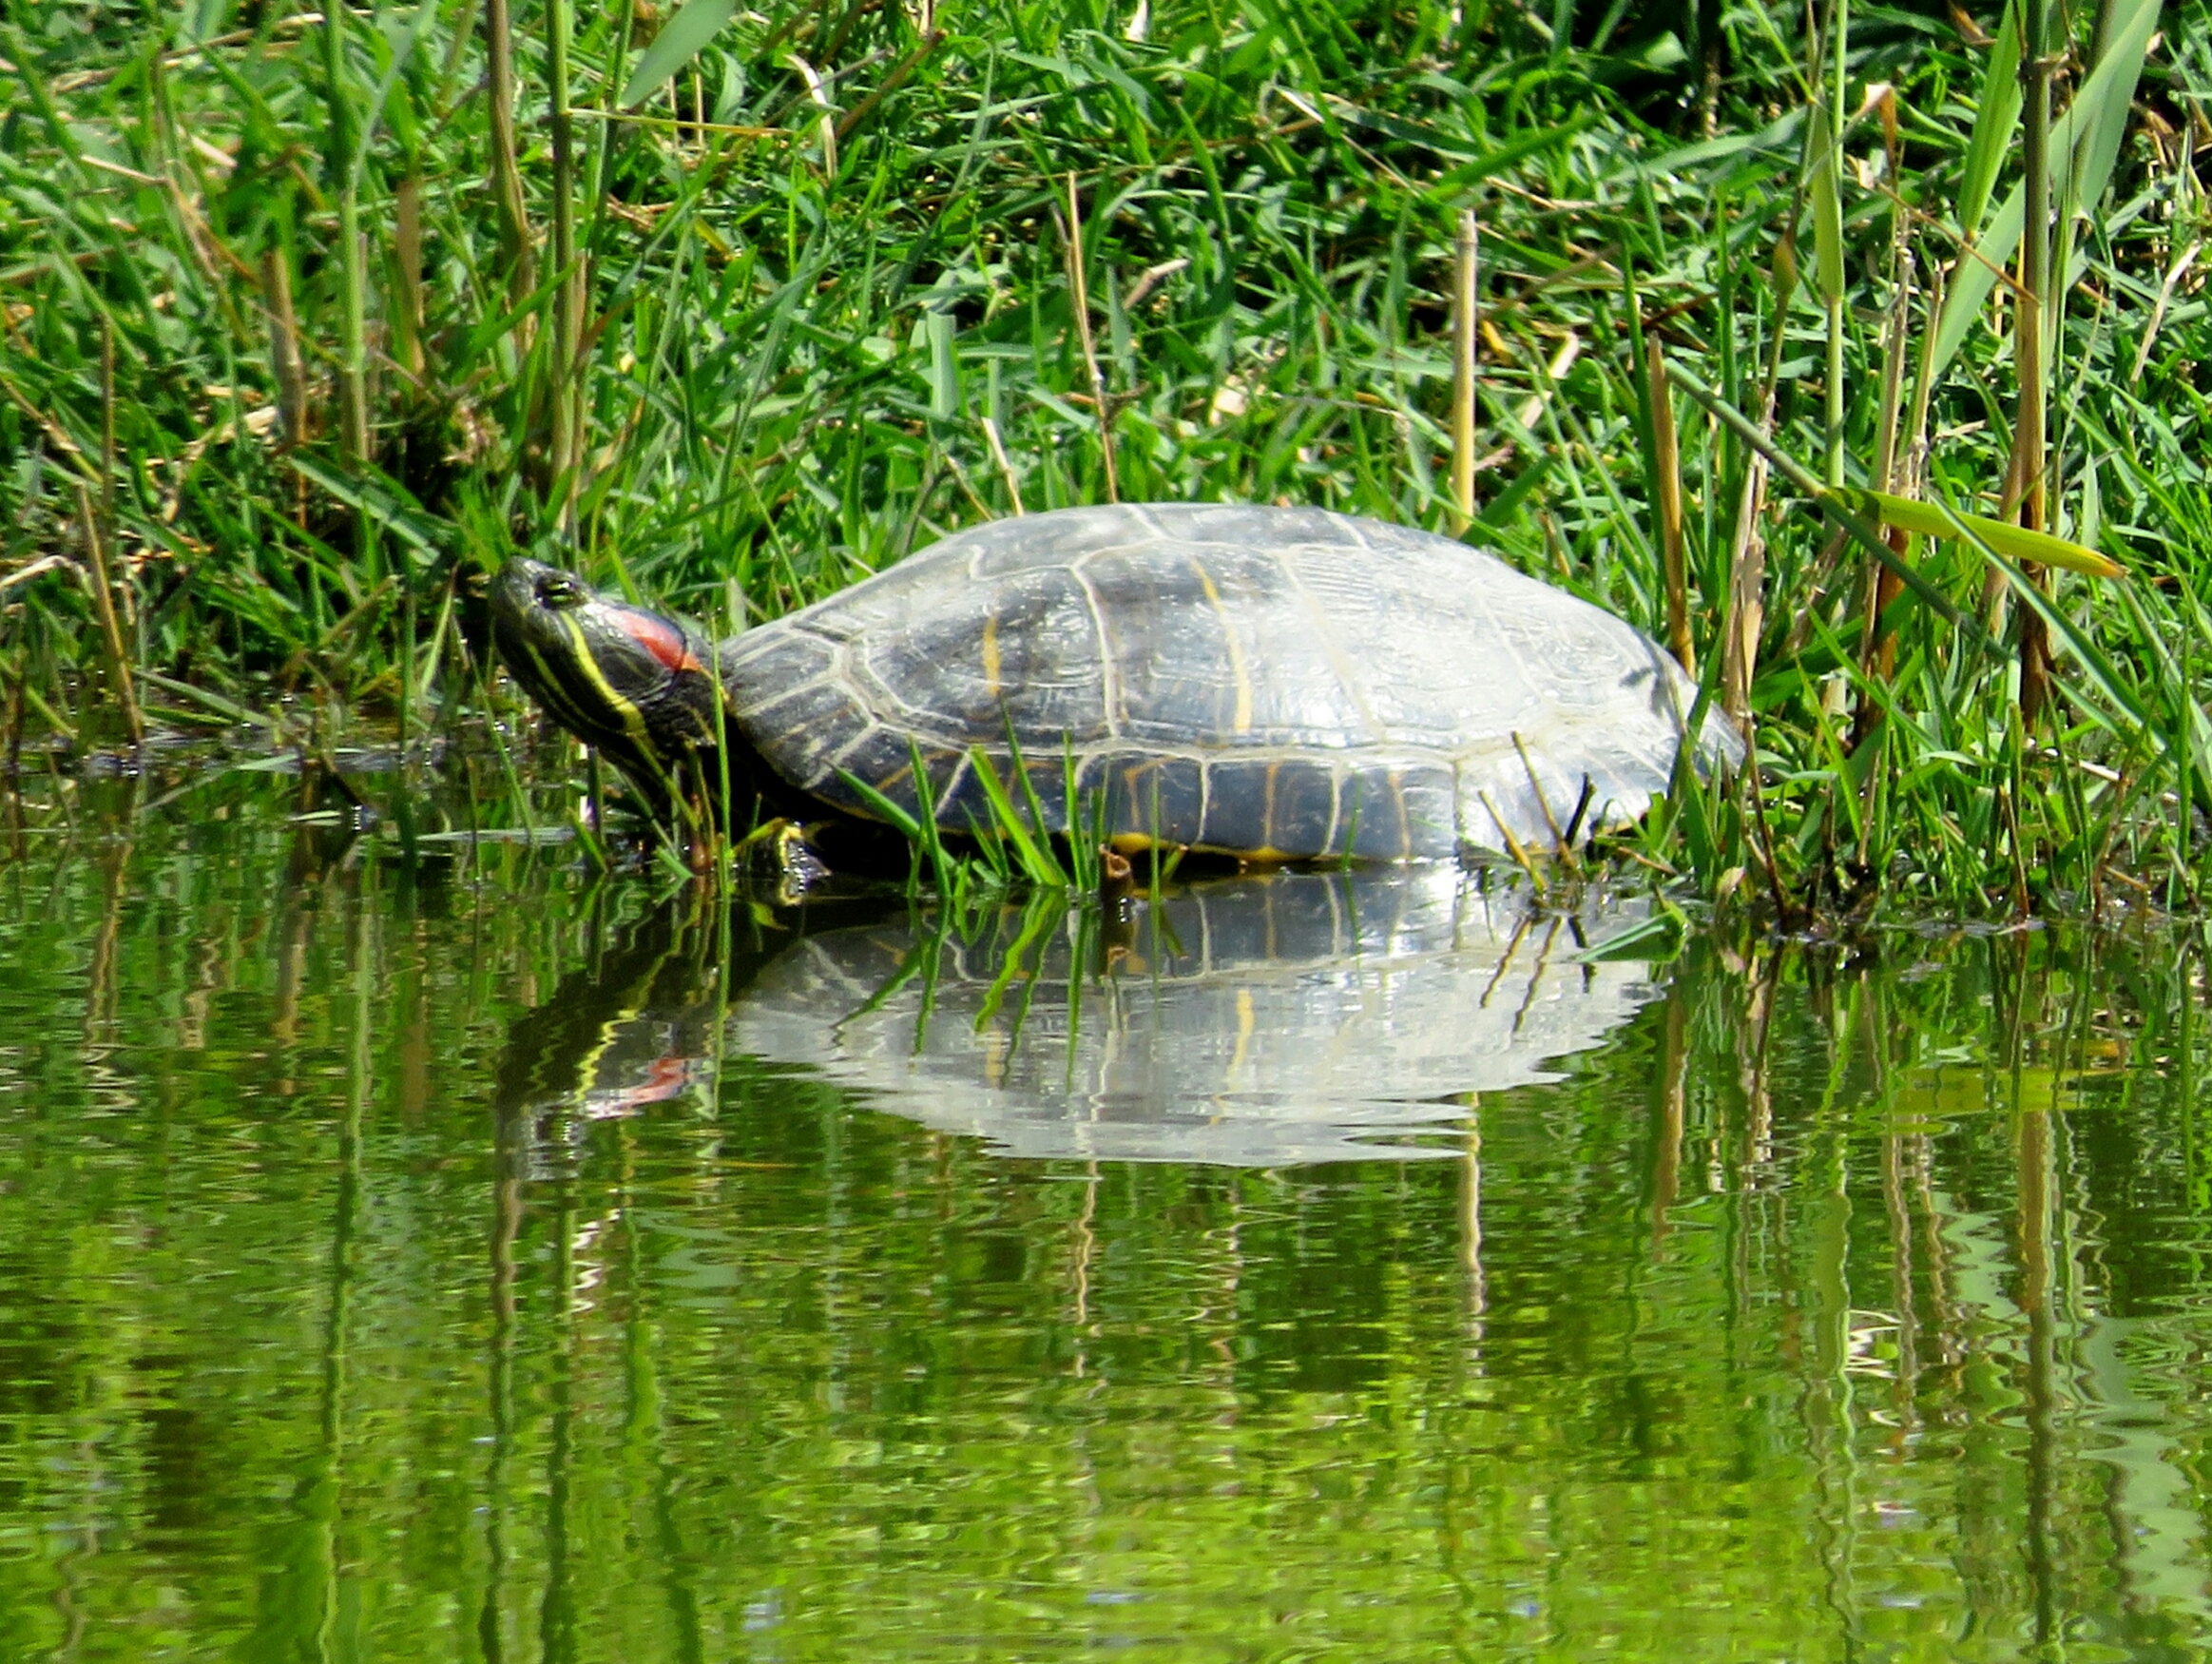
x,y
779,853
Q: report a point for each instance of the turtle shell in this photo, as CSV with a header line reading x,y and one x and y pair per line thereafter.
x,y
1282,683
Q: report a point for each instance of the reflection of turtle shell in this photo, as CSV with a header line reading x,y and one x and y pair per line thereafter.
x,y
1254,1021
1247,679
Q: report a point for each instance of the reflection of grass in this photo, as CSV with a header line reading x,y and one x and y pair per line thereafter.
x,y
771,1322
809,299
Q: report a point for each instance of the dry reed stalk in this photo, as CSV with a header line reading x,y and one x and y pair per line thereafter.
x,y
107,428
1746,618
1079,288
568,434
1005,467
891,83
352,303
406,253
1466,338
819,94
514,232
1824,187
285,367
1666,463
16,680
1877,650
1152,278
2029,357
110,623
463,26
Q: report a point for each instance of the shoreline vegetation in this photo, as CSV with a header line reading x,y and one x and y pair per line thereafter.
x,y
307,317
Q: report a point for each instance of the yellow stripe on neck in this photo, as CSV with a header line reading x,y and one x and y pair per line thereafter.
x,y
633,720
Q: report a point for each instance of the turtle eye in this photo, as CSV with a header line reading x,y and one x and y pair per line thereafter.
x,y
560,589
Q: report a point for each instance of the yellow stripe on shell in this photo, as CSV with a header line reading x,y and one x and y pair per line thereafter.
x,y
1242,721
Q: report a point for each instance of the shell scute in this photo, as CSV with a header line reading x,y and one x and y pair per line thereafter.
x,y
1214,646
1162,800
972,658
1036,542
811,726
1240,804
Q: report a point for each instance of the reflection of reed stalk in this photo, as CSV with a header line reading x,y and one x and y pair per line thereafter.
x,y
1826,1405
641,1419
1086,1246
1470,1211
557,1616
499,1373
1900,1220
2032,1157
321,1502
1673,1105
111,625
102,974
1751,1066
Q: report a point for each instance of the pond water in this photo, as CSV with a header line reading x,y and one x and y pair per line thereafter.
x,y
474,1259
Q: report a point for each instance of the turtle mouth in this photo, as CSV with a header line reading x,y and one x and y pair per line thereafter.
x,y
629,681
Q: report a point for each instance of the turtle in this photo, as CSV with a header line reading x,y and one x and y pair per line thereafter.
x,y
1272,684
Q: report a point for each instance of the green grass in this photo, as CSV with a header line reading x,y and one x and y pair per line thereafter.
x,y
753,339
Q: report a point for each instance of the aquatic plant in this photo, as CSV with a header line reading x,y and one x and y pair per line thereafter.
x,y
303,316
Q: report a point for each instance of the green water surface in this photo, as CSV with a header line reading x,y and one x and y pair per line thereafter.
x,y
414,1263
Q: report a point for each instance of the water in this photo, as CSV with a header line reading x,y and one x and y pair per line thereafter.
x,y
480,1263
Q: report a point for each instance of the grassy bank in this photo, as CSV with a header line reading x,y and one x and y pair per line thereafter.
x,y
306,317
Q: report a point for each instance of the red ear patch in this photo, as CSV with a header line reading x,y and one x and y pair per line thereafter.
x,y
659,638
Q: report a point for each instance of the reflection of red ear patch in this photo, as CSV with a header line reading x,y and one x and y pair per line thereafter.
x,y
659,638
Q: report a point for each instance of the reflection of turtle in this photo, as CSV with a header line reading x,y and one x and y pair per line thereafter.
x,y
1276,682
1256,1021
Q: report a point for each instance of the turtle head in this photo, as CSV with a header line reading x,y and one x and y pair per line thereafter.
x,y
635,684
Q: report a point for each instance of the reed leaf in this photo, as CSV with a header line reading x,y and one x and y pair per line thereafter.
x,y
2015,543
1032,852
1996,117
682,39
2103,98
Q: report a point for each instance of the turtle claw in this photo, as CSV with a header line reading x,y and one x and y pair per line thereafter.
x,y
779,853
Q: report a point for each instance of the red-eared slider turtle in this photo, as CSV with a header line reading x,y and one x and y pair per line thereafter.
x,y
1281,684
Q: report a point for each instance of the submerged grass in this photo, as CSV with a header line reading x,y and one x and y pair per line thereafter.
x,y
303,316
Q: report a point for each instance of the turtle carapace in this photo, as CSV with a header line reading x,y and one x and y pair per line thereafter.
x,y
1267,683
